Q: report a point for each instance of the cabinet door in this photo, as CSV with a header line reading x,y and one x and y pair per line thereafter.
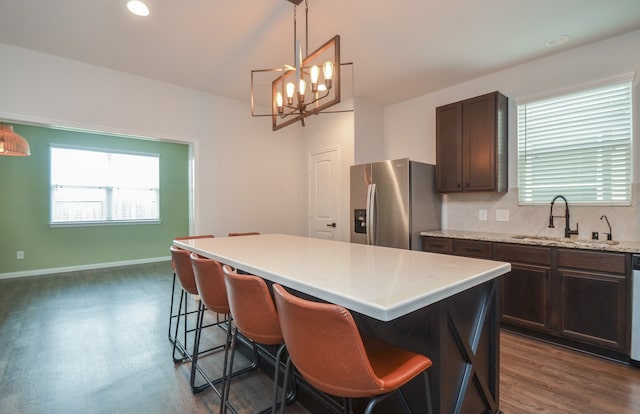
x,y
592,308
526,298
449,148
479,143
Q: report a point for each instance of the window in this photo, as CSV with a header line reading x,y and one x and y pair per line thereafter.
x,y
92,186
577,145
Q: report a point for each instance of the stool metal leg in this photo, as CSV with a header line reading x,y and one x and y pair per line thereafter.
x,y
171,314
175,341
225,324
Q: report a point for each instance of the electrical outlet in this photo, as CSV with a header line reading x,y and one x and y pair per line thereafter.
x,y
19,255
482,215
502,215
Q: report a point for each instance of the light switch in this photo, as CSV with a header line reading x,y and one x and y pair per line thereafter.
x,y
482,215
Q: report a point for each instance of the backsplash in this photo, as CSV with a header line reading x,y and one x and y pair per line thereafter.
x,y
463,211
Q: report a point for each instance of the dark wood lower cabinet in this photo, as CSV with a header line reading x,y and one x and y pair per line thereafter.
x,y
578,298
593,308
526,292
526,297
593,298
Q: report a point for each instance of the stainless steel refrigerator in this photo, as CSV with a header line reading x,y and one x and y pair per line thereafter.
x,y
392,202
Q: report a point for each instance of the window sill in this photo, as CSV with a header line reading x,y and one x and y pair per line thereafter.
x,y
102,223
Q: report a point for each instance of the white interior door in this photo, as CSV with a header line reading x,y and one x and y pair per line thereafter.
x,y
323,194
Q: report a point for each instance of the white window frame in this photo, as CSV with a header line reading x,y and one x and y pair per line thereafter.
x,y
625,196
110,184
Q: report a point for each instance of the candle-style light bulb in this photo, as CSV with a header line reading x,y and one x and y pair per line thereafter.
x,y
327,70
303,89
279,102
315,75
291,88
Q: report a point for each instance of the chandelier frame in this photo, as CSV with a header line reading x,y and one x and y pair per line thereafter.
x,y
301,106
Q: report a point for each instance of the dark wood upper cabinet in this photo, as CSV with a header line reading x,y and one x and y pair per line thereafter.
x,y
471,145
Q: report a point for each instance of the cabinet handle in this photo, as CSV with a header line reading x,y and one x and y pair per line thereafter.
x,y
473,249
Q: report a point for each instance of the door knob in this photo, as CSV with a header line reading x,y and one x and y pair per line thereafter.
x,y
332,225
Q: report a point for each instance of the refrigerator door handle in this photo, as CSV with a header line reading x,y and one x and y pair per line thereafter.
x,y
371,213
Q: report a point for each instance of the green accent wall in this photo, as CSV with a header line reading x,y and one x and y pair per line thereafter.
x,y
24,207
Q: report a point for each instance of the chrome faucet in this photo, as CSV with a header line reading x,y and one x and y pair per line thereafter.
x,y
567,228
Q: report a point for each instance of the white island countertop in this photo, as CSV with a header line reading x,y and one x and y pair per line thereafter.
x,y
380,282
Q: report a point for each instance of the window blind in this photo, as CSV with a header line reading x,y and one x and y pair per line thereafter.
x,y
577,145
90,186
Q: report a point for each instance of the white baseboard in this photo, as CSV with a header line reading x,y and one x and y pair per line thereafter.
x,y
39,272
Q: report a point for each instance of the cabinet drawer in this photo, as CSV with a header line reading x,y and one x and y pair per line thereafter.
x,y
437,245
522,254
473,248
593,261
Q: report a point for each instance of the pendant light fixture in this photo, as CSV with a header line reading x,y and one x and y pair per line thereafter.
x,y
308,87
11,143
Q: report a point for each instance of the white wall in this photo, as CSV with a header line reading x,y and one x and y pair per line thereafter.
x,y
369,132
335,131
247,177
410,132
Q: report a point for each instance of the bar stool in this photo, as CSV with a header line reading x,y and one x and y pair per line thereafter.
x,y
213,293
329,352
172,315
254,316
186,279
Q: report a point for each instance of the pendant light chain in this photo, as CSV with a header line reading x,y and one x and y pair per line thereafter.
x,y
295,31
306,24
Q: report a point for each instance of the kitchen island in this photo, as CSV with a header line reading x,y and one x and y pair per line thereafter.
x,y
442,306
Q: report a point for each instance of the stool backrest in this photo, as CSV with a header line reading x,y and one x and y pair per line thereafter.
x,y
210,282
204,236
182,266
325,346
252,307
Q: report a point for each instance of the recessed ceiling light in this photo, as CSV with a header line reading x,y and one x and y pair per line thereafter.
x,y
138,8
557,41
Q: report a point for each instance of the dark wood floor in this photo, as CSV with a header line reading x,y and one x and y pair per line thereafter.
x,y
96,342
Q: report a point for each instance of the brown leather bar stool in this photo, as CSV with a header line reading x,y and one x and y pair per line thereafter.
x,y
186,279
173,315
254,316
213,293
329,352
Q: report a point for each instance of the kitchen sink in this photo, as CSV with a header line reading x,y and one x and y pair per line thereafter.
x,y
584,242
522,237
587,241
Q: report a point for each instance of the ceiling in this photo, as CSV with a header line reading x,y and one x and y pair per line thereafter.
x,y
400,49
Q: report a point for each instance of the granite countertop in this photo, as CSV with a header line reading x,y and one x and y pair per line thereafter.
x,y
533,240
